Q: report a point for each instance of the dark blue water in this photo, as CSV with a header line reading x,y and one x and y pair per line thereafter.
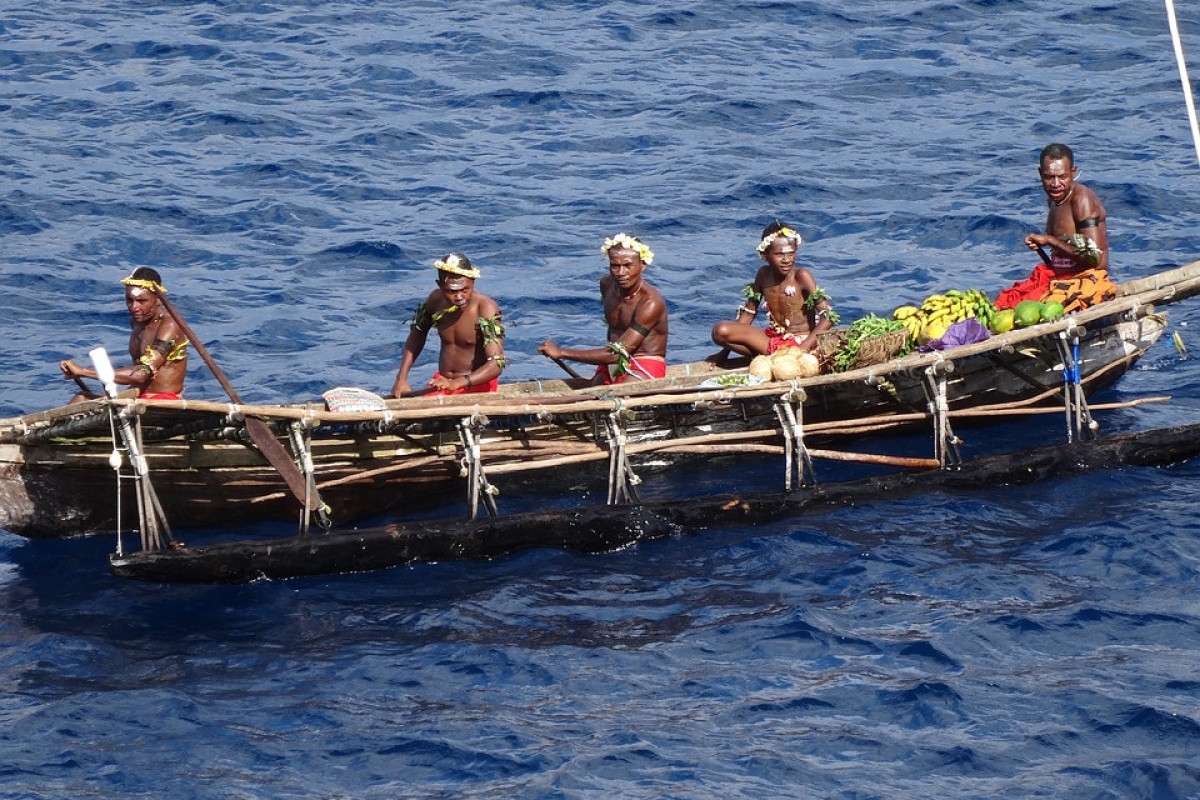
x,y
293,168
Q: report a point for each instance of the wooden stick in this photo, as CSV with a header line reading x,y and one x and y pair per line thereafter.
x,y
260,433
567,367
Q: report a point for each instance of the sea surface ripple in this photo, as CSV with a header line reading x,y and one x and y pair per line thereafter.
x,y
294,167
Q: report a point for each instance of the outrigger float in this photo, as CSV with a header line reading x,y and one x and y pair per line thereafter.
x,y
195,462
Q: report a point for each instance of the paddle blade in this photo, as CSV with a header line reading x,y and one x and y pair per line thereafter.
x,y
104,370
278,456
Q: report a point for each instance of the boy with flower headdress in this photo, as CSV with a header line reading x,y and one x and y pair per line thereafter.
x,y
469,326
156,344
636,315
797,309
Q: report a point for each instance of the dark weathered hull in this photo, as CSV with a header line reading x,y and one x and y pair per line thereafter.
x,y
55,478
604,528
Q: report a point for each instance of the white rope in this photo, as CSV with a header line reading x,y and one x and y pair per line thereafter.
x,y
1183,76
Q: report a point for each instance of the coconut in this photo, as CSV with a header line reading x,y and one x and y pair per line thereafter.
x,y
789,363
760,367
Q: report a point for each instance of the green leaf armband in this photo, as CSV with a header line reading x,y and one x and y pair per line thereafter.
x,y
618,350
422,320
751,294
817,296
492,329
1085,247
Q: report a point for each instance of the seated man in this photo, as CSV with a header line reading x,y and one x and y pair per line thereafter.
x,y
797,309
1077,235
156,344
470,329
636,315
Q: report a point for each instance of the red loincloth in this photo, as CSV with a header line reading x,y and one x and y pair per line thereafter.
x,y
479,388
641,368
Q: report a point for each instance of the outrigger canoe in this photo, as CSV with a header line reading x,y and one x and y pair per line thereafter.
x,y
58,468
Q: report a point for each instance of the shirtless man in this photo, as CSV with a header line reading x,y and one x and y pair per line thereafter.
x,y
470,328
156,344
636,315
797,309
1077,238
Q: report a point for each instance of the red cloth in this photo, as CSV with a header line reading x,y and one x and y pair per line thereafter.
x,y
1032,288
777,340
1075,290
479,388
640,369
160,396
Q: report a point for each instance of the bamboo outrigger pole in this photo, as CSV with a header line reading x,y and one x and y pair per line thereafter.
x,y
1183,76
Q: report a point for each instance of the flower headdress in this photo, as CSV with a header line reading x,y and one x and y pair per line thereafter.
x,y
139,283
458,264
786,233
623,241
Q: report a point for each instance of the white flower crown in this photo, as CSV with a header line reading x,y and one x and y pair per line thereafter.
x,y
786,233
624,241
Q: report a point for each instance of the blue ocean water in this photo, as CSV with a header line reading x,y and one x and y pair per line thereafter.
x,y
294,167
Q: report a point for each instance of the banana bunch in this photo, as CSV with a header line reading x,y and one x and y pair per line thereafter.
x,y
939,311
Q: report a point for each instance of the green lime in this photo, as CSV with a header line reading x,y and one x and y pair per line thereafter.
x,y
1027,312
1052,311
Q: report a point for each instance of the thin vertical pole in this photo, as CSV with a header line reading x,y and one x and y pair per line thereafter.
x,y
1183,76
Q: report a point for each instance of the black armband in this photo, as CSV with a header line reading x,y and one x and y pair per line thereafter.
x,y
638,328
1090,222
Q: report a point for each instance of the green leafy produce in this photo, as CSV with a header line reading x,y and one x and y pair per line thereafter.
x,y
868,327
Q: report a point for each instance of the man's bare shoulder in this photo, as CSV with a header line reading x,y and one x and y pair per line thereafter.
x,y
435,301
486,307
1086,204
652,291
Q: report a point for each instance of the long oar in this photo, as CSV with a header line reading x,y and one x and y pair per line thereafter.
x,y
569,370
260,433
1045,256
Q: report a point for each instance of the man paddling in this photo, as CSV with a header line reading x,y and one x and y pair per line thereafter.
x,y
469,326
156,344
636,315
1075,241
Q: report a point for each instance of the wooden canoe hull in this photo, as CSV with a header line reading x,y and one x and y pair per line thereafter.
x,y
605,528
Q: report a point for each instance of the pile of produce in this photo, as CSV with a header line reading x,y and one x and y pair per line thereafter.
x,y
939,311
785,364
1031,312
870,332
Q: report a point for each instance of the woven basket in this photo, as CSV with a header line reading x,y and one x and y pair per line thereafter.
x,y
351,400
870,351
881,348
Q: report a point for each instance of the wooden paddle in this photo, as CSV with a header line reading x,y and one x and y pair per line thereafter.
x,y
260,433
570,371
1045,256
